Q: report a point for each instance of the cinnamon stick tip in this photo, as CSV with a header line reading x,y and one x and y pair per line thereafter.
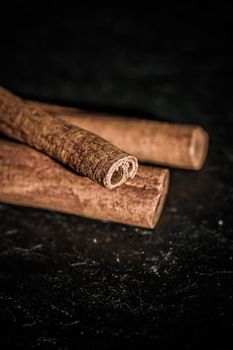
x,y
120,172
160,203
198,147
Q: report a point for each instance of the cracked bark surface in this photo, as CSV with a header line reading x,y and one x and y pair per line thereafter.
x,y
171,144
83,151
30,178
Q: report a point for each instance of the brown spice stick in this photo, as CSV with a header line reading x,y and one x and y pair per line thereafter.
x,y
31,178
176,145
88,154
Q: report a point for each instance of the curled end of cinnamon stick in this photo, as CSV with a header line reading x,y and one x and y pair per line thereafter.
x,y
158,208
120,172
198,148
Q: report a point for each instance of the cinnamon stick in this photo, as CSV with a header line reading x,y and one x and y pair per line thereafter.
x,y
83,151
175,145
31,178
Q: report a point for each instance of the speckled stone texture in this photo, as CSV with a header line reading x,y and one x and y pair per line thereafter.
x,y
68,282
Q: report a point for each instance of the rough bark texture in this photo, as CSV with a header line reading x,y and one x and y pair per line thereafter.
x,y
176,145
31,178
83,151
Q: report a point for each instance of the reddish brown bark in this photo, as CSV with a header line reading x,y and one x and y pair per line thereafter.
x,y
31,178
176,145
82,150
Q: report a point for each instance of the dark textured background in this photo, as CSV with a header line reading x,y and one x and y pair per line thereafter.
x,y
69,282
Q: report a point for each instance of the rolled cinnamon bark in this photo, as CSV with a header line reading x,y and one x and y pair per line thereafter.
x,y
31,178
88,154
175,145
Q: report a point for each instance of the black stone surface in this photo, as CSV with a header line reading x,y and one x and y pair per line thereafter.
x,y
68,282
